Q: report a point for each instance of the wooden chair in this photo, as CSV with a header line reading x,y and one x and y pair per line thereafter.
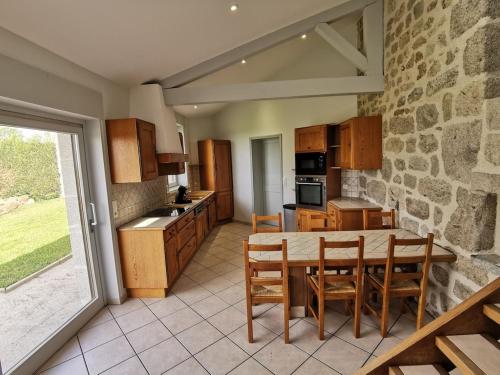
x,y
326,222
266,289
267,229
399,283
375,219
326,287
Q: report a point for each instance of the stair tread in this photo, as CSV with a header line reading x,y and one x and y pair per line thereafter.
x,y
471,352
422,370
493,312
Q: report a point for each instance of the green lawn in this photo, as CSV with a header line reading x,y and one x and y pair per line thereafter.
x,y
32,237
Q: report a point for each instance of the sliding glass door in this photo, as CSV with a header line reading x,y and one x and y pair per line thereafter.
x,y
49,283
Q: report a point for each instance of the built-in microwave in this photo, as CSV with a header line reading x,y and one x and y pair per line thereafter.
x,y
310,163
310,192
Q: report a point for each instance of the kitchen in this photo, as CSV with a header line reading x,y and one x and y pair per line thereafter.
x,y
289,190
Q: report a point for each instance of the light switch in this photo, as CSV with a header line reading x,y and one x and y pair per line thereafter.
x,y
114,204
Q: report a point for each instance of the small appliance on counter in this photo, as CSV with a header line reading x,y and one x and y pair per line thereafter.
x,y
181,196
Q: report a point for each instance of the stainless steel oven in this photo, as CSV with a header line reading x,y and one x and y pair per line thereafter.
x,y
310,163
310,192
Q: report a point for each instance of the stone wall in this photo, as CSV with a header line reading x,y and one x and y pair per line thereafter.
x,y
441,132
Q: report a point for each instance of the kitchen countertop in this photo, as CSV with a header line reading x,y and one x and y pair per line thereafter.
x,y
344,203
163,222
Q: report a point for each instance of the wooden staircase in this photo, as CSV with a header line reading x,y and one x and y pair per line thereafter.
x,y
462,341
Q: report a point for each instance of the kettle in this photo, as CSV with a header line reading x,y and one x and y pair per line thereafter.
x,y
181,196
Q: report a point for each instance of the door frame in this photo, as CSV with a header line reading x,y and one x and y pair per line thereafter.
x,y
26,118
280,141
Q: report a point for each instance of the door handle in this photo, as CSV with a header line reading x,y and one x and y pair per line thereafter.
x,y
93,221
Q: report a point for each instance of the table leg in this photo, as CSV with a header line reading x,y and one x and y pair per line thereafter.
x,y
298,290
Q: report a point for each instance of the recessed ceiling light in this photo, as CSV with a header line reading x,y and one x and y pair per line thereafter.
x,y
195,106
233,7
243,61
303,36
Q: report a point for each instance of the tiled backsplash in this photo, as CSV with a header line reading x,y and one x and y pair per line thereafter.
x,y
350,183
135,200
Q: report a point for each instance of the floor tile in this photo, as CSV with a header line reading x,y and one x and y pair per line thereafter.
x,y
193,267
209,260
233,294
261,336
403,328
68,351
167,306
75,366
221,357
181,320
164,356
250,366
132,366
334,320
129,305
98,335
218,284
193,294
257,309
386,344
313,366
228,320
190,366
341,356
305,336
224,267
280,358
108,355
209,306
135,319
199,337
145,337
273,319
150,300
368,339
203,276
235,276
101,317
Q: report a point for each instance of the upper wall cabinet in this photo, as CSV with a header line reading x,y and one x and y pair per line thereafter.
x,y
360,143
132,150
311,139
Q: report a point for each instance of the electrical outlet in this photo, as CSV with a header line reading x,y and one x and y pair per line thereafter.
x,y
114,204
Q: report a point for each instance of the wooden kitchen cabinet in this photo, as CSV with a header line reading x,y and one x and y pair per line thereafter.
x,y
301,217
212,214
171,259
349,216
132,150
216,175
361,143
311,139
201,220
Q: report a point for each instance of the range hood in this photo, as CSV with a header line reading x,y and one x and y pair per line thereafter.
x,y
147,103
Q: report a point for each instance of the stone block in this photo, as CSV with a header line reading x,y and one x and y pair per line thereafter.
x,y
492,87
418,9
402,125
438,215
386,169
397,179
462,291
427,116
482,50
415,95
459,149
467,13
417,208
394,144
428,143
409,224
418,163
434,165
464,266
400,164
411,145
444,80
447,106
376,190
441,275
492,149
395,196
438,191
410,181
472,224
470,99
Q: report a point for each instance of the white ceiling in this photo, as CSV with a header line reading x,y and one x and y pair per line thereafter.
x,y
133,41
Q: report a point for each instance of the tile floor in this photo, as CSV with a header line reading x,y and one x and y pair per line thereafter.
x,y
200,328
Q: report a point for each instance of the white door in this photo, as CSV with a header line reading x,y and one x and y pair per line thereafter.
x,y
271,176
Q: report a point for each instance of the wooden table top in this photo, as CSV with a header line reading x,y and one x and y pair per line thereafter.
x,y
303,247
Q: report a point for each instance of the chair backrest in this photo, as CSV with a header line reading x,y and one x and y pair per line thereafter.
x,y
326,222
266,266
422,275
267,229
359,266
375,219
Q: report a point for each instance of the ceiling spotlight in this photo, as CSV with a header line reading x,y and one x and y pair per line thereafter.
x,y
195,106
233,8
243,61
303,36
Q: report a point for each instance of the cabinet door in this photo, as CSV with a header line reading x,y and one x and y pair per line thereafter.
x,y
147,150
200,230
224,202
223,167
212,215
171,259
311,139
345,146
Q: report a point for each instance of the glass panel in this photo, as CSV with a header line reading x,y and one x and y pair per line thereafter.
x,y
310,194
45,273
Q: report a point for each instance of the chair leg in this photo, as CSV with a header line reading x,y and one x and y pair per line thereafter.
x,y
421,311
357,312
321,318
346,308
249,321
366,289
286,317
385,316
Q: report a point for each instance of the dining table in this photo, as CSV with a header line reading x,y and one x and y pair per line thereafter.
x,y
303,252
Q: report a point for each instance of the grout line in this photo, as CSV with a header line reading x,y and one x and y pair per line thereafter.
x,y
83,355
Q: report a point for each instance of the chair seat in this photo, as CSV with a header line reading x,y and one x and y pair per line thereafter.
x,y
335,287
396,285
267,290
